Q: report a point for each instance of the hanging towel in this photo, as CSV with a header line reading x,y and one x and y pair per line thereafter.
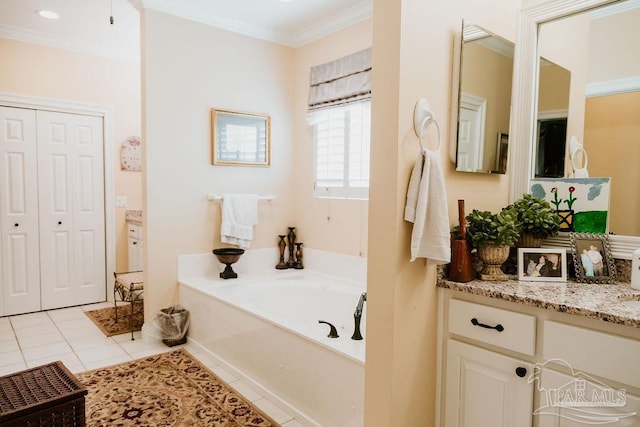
x,y
239,215
426,208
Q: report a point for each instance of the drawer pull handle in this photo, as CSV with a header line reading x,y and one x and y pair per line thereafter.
x,y
498,327
521,372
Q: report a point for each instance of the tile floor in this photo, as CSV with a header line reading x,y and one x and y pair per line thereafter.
x,y
68,335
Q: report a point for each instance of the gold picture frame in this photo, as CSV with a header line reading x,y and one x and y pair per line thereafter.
x,y
240,139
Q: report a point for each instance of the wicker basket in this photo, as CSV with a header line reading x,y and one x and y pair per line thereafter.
x,y
47,395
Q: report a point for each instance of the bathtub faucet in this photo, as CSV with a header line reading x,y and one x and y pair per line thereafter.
x,y
357,315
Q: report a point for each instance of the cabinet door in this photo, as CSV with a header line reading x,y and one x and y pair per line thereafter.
x,y
135,254
71,197
579,400
19,265
484,388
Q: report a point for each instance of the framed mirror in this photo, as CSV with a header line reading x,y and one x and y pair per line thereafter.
x,y
482,101
240,138
599,54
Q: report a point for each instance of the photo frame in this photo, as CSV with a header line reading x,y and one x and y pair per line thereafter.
x,y
542,264
592,258
502,151
240,139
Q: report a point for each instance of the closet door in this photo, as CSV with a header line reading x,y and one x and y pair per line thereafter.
x,y
71,194
19,266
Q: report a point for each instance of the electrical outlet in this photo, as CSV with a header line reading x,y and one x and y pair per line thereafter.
x,y
121,201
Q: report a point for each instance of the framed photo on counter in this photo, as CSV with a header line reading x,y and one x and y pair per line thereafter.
x,y
542,264
592,258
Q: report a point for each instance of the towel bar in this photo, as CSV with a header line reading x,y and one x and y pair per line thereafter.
x,y
212,196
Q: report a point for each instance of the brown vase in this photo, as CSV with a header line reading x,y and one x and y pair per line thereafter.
x,y
526,240
493,256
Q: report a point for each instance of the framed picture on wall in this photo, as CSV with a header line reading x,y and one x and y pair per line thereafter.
x,y
502,152
592,258
542,264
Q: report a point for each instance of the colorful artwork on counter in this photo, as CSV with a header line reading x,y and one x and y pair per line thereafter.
x,y
582,203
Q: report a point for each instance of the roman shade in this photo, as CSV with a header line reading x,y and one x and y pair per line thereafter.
x,y
342,81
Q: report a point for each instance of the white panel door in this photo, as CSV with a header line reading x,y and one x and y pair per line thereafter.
x,y
471,124
484,388
71,194
19,268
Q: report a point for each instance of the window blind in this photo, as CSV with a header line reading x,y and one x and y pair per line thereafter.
x,y
341,81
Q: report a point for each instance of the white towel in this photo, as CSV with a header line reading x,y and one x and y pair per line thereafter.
x,y
239,215
426,208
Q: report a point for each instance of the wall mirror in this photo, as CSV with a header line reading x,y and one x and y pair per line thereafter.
x,y
240,138
596,41
482,100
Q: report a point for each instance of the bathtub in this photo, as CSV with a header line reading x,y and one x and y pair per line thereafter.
x,y
265,326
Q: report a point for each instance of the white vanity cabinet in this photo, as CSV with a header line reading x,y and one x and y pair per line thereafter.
x,y
135,246
484,387
511,364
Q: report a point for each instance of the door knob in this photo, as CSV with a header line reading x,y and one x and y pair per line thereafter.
x,y
521,372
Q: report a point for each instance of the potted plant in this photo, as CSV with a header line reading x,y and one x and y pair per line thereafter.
x,y
537,220
492,235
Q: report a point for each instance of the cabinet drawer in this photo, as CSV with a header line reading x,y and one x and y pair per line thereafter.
x,y
502,328
598,353
134,230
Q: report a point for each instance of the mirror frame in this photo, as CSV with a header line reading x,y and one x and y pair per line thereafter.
x,y
254,120
524,95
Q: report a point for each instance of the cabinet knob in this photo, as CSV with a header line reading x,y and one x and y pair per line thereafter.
x,y
135,243
521,372
16,225
59,222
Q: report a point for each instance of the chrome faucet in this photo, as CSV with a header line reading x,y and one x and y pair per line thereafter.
x,y
357,315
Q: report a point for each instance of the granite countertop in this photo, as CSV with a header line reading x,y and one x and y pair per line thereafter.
x,y
134,216
614,303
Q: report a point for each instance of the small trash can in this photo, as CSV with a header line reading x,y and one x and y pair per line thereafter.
x,y
173,323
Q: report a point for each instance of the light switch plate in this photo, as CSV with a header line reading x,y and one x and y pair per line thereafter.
x,y
121,201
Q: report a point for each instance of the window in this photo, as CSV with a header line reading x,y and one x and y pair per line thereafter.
x,y
342,139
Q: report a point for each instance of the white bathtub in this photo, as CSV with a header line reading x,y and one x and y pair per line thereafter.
x,y
265,325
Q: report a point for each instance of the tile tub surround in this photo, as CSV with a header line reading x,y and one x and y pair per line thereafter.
x,y
614,303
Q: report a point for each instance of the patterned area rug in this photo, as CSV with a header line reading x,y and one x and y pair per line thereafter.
x,y
105,319
169,389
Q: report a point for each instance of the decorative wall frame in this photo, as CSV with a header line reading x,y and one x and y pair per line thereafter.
x,y
240,138
542,264
131,155
592,258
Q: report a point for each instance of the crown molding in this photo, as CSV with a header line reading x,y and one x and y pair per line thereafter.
x,y
613,87
360,12
615,8
66,43
353,15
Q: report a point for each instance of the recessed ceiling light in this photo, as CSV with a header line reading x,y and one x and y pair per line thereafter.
x,y
48,14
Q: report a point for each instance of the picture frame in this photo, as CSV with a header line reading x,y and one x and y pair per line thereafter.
x,y
592,258
240,139
502,150
542,264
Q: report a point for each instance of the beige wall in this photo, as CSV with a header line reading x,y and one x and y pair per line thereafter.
x,y
40,71
335,225
190,68
412,51
612,137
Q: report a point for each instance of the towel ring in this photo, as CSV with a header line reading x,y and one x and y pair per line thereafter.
x,y
427,121
423,117
585,158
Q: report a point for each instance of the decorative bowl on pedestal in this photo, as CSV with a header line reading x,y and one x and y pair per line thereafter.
x,y
228,256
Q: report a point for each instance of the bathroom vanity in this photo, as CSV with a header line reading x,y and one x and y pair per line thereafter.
x,y
538,354
135,245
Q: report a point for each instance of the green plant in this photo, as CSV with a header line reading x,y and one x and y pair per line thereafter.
x,y
536,216
484,227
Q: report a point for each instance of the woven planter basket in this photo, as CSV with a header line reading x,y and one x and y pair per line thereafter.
x,y
526,240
